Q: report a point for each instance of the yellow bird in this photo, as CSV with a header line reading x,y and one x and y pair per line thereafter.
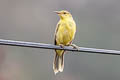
x,y
64,35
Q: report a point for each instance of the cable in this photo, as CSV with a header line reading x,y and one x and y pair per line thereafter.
x,y
51,46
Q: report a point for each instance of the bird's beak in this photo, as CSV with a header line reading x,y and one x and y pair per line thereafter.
x,y
57,12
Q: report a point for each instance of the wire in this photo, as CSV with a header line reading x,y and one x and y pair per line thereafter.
x,y
51,46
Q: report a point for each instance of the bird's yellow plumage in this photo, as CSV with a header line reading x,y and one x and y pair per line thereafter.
x,y
64,35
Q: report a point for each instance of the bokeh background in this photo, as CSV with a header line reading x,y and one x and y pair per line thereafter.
x,y
98,26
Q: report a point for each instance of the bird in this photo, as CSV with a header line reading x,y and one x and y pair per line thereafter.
x,y
64,35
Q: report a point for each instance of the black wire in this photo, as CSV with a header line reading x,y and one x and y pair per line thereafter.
x,y
51,46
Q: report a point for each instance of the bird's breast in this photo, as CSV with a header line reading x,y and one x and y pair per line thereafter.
x,y
66,33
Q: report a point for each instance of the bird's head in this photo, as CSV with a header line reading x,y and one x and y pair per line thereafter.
x,y
64,14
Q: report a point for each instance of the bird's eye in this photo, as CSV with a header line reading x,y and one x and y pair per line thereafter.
x,y
64,13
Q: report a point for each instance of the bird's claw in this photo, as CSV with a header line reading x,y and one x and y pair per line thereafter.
x,y
74,46
61,45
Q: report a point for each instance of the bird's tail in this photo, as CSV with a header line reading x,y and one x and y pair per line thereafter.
x,y
58,64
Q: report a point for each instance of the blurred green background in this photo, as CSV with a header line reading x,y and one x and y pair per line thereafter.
x,y
98,26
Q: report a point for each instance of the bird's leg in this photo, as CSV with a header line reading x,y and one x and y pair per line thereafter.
x,y
61,45
74,46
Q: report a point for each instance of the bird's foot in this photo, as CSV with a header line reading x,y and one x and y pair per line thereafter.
x,y
61,45
74,46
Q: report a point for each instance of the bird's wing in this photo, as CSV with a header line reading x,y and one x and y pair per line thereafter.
x,y
57,27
